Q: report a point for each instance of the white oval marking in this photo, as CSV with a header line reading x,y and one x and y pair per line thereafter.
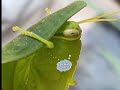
x,y
64,65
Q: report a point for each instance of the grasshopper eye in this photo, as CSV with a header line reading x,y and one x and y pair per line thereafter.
x,y
71,33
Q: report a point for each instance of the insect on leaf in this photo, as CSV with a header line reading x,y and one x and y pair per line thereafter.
x,y
22,46
29,65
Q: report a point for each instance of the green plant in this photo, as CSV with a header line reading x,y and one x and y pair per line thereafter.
x,y
27,64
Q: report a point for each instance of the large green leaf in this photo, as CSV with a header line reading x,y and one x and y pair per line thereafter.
x,y
23,46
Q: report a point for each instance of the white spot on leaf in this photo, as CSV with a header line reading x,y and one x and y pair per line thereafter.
x,y
64,65
69,57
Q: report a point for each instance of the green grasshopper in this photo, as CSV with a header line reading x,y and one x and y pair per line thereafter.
x,y
53,66
61,67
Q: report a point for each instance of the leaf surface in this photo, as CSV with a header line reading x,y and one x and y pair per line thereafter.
x,y
23,46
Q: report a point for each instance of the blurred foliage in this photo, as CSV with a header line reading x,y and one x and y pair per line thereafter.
x,y
118,1
112,59
99,10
